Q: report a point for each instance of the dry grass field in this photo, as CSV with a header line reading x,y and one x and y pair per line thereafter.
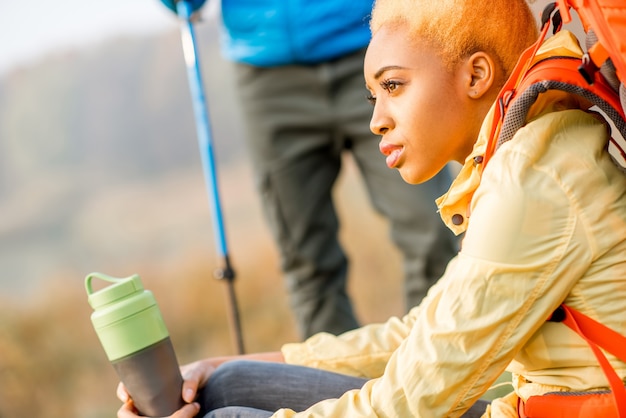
x,y
51,363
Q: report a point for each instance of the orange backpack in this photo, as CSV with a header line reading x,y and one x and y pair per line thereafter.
x,y
599,77
607,19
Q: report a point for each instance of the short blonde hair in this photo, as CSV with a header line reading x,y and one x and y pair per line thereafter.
x,y
458,28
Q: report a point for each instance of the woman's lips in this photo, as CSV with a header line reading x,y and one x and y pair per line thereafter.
x,y
392,152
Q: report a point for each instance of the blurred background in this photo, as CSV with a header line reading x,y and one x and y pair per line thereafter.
x,y
100,171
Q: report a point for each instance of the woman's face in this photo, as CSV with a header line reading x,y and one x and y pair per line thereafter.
x,y
422,110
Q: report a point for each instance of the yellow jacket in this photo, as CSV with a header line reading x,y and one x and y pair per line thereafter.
x,y
544,223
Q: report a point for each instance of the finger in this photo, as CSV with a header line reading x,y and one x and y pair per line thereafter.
x,y
188,411
121,392
189,391
194,375
191,382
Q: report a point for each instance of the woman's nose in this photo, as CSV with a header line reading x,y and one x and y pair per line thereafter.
x,y
380,124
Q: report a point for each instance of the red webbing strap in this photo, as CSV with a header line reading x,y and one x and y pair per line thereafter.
x,y
506,93
598,335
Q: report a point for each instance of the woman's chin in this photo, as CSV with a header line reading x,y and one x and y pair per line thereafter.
x,y
410,176
413,176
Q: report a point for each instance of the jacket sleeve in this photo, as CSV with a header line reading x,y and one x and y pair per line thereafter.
x,y
363,352
524,250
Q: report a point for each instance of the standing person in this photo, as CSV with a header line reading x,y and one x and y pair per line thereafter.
x,y
544,222
299,76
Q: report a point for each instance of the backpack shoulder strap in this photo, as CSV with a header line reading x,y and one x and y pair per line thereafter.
x,y
506,93
560,73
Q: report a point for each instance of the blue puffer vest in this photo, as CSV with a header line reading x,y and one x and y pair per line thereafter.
x,y
281,32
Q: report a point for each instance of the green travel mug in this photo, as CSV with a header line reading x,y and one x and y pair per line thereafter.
x,y
132,332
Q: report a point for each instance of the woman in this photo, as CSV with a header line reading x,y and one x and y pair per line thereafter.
x,y
544,223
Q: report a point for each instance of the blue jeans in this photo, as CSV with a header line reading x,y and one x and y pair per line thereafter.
x,y
251,389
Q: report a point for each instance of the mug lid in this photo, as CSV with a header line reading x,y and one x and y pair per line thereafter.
x,y
121,288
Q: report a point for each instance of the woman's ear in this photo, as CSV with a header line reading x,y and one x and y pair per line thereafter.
x,y
480,73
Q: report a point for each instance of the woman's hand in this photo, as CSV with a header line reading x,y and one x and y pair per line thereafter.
x,y
195,375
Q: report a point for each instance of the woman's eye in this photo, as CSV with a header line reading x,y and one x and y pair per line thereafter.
x,y
371,99
390,85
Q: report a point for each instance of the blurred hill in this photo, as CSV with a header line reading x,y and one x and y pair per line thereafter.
x,y
100,171
92,123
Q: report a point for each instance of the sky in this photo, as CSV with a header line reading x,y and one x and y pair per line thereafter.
x,y
32,29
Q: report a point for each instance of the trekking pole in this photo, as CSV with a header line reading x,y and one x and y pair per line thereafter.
x,y
185,9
